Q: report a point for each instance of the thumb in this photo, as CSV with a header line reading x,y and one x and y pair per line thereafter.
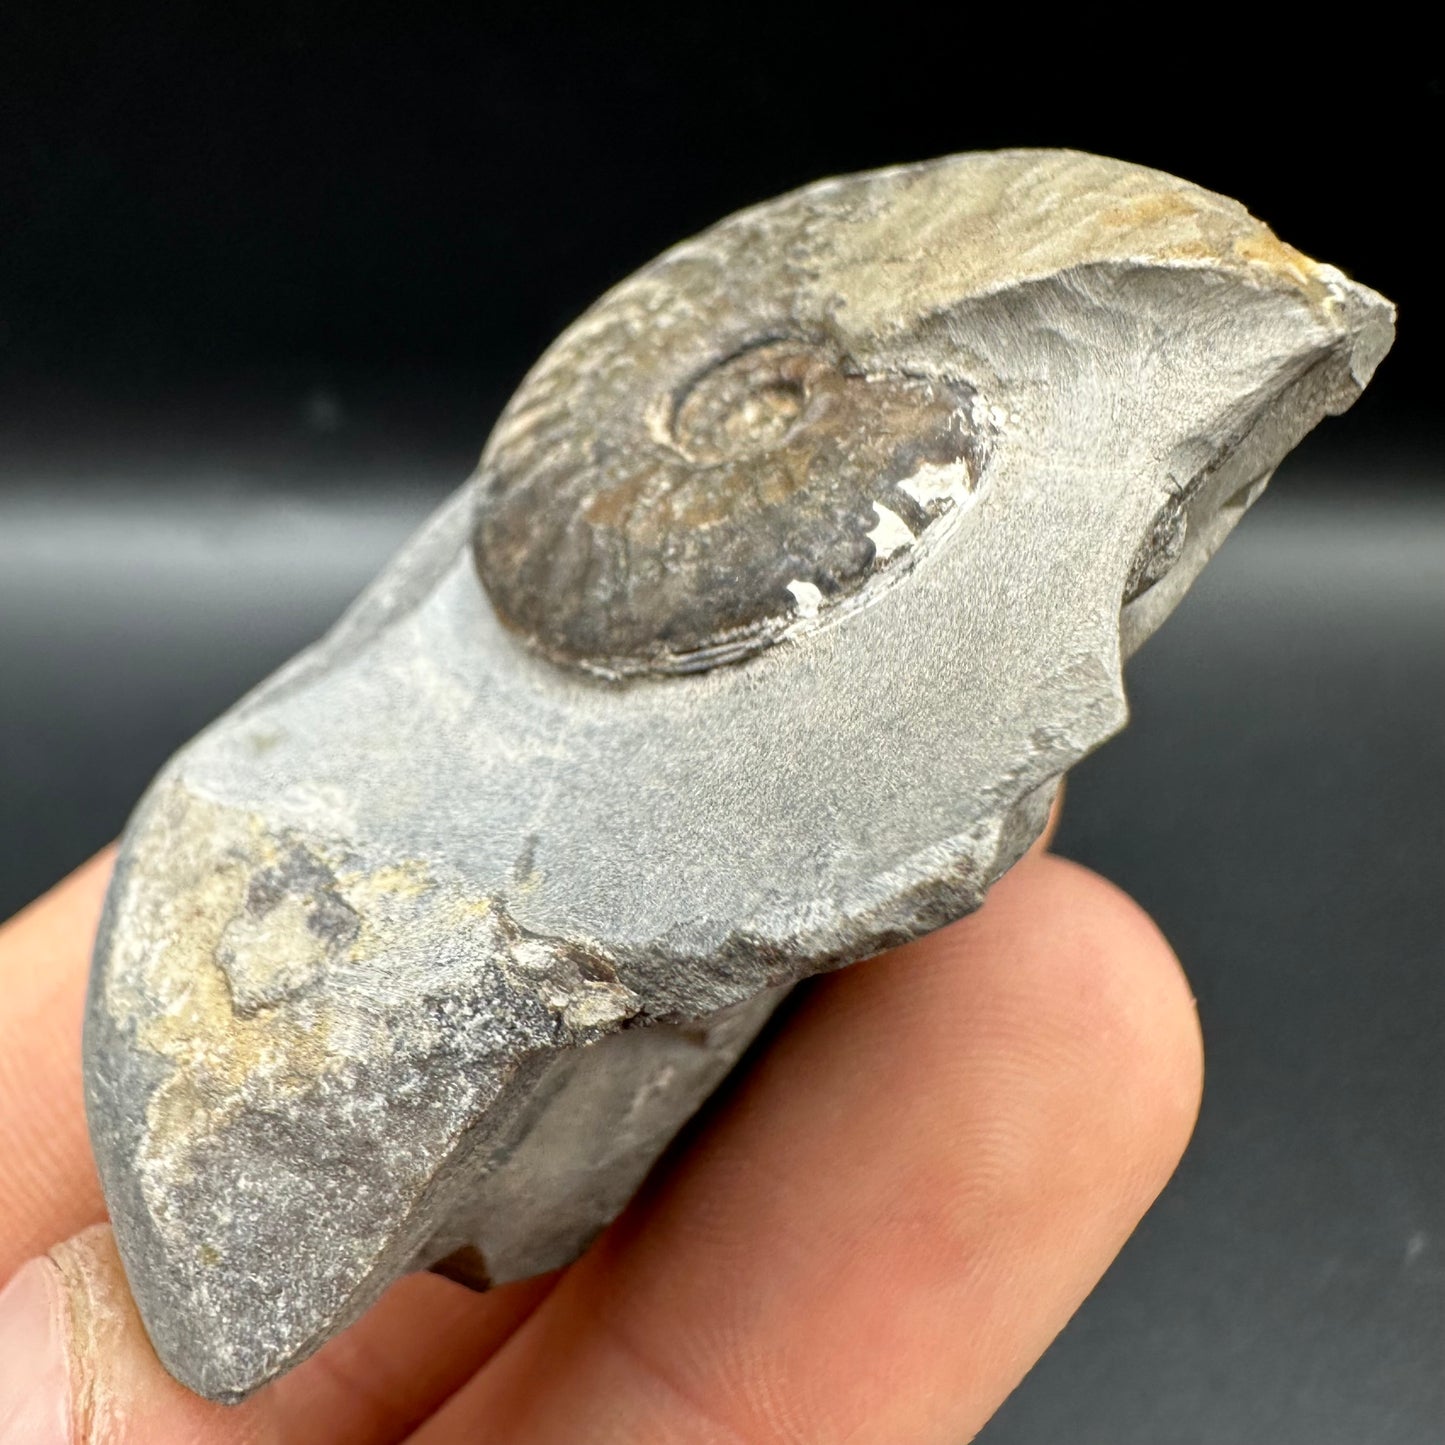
x,y
76,1367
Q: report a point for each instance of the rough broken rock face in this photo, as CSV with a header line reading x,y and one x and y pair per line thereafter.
x,y
794,576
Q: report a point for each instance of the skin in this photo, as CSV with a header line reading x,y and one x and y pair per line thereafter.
x,y
871,1237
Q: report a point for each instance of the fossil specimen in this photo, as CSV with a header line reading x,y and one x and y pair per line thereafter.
x,y
794,576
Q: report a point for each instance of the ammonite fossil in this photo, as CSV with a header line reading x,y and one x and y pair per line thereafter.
x,y
638,513
794,576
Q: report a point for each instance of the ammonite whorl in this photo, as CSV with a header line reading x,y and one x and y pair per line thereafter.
x,y
699,467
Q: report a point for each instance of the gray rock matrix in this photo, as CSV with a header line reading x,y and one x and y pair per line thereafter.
x,y
795,575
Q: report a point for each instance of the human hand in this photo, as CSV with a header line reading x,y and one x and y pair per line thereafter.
x,y
876,1233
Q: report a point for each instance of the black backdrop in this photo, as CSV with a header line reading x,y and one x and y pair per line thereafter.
x,y
202,191
265,277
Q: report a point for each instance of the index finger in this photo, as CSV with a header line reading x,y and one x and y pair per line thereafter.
x,y
48,1184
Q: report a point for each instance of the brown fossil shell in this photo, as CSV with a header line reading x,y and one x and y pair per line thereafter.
x,y
698,467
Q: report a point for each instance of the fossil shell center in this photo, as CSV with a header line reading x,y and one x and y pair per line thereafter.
x,y
659,519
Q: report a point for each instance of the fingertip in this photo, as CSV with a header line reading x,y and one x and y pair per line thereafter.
x,y
1099,977
34,1368
118,1391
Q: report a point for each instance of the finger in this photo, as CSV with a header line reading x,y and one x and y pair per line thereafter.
x,y
76,1368
379,1380
898,1210
48,1186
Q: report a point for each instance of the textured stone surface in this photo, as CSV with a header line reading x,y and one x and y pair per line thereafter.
x,y
808,558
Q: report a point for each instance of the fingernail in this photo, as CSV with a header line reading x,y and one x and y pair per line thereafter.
x,y
34,1368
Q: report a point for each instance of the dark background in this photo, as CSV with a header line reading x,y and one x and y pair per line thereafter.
x,y
265,279
212,211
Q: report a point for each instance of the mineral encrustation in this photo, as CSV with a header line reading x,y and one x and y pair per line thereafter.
x,y
794,576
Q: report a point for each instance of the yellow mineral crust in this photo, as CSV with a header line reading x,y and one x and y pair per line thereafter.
x,y
1032,214
216,980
